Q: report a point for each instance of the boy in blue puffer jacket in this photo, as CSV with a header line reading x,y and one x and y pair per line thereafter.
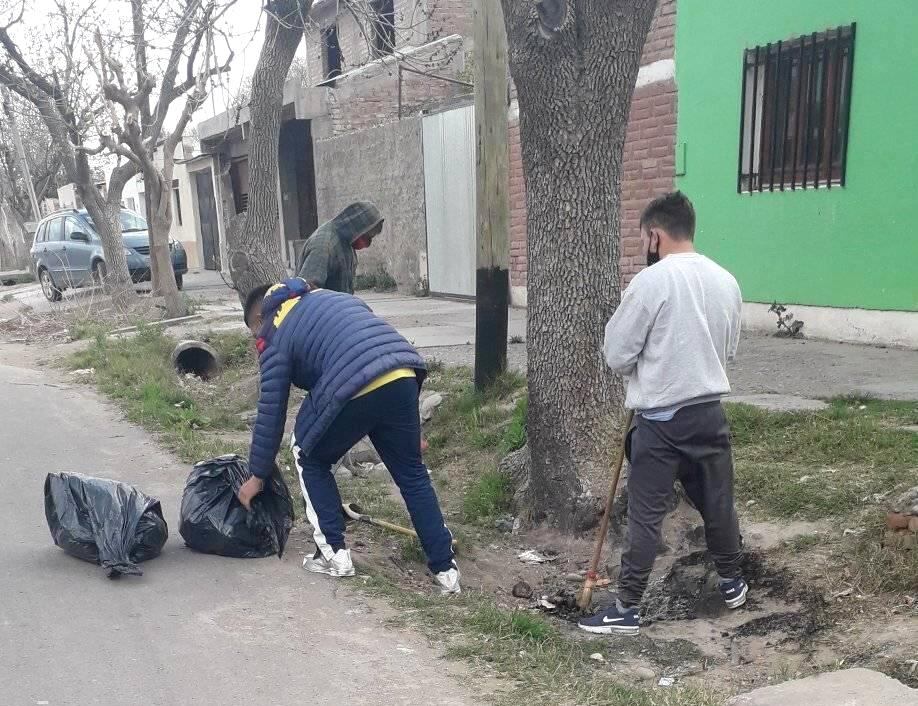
x,y
363,379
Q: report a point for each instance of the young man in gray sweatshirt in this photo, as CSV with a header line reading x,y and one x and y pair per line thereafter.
x,y
676,328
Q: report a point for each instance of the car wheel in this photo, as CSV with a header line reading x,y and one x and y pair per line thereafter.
x,y
179,282
98,273
51,292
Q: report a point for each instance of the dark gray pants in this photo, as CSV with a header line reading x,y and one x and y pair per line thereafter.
x,y
693,448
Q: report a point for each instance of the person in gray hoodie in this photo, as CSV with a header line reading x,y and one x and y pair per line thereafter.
x,y
676,328
329,260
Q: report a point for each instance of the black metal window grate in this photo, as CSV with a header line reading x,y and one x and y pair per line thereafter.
x,y
383,27
796,105
331,53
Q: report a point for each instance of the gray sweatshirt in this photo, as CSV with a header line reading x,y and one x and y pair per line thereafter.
x,y
676,327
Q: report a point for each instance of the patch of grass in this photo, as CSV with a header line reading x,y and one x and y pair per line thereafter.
x,y
487,498
82,329
547,666
475,430
514,437
875,568
378,281
468,418
889,410
137,372
822,464
410,550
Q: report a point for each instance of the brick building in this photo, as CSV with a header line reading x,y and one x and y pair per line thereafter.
x,y
382,75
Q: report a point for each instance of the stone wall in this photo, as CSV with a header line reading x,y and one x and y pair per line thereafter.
x,y
384,165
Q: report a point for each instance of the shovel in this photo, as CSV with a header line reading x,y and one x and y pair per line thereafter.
x,y
355,512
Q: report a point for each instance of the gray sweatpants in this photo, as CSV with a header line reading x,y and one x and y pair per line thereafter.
x,y
693,448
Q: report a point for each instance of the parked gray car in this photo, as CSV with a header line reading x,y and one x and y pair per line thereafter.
x,y
67,252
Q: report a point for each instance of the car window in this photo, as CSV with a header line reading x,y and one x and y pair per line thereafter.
x,y
130,222
40,234
54,230
71,225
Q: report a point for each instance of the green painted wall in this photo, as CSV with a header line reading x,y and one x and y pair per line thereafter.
x,y
855,246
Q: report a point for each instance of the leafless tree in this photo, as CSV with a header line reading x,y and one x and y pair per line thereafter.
x,y
135,126
574,65
43,158
59,85
254,249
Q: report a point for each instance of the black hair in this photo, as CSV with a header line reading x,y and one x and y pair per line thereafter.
x,y
254,297
673,213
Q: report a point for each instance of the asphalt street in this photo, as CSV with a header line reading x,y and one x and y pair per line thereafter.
x,y
194,629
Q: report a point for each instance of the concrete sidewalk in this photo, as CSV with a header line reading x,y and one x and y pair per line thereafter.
x,y
445,330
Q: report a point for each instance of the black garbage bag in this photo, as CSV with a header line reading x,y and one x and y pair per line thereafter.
x,y
215,522
103,521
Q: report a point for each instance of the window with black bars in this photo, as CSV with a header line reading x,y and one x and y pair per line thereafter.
x,y
796,104
331,53
383,27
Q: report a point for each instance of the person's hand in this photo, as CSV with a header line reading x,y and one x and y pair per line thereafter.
x,y
424,444
252,487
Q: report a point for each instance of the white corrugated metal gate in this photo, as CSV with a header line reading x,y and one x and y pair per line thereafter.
x,y
449,185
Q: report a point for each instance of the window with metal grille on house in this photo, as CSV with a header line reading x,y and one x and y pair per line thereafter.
x,y
796,101
383,27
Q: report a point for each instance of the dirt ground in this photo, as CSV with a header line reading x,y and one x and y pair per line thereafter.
x,y
791,625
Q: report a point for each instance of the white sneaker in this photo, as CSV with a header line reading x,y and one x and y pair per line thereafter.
x,y
339,565
449,581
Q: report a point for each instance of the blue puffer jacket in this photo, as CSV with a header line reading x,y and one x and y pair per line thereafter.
x,y
325,342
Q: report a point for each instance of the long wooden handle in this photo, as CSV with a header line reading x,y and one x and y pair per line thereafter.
x,y
610,500
388,526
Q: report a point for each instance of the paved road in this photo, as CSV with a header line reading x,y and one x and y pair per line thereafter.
x,y
194,629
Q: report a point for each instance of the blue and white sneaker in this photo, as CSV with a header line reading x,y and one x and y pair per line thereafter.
x,y
613,621
734,592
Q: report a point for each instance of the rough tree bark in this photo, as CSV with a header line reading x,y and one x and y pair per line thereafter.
x,y
574,65
255,255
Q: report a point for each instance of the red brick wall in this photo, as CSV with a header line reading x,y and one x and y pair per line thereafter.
x,y
649,159
661,39
649,164
518,256
370,98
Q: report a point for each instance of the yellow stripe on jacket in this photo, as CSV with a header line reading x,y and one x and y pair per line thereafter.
x,y
391,376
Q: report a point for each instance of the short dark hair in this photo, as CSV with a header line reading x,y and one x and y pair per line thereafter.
x,y
255,296
672,212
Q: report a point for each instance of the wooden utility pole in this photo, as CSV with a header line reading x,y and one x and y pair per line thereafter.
x,y
492,288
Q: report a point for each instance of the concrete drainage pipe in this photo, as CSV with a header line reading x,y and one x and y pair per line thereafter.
x,y
196,358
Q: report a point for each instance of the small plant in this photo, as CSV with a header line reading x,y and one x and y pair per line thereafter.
x,y
378,281
488,497
788,326
516,339
364,281
411,550
515,435
384,281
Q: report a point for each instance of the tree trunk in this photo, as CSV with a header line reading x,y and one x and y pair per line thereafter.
x,y
255,255
105,214
574,66
104,211
160,224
